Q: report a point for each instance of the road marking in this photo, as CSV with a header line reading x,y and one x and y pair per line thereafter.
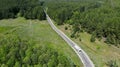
x,y
82,55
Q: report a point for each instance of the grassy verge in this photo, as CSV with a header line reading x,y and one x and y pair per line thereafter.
x,y
41,32
99,52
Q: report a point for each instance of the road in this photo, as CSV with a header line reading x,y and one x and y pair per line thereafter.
x,y
81,53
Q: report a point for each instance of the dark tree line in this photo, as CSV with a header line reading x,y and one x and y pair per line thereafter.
x,y
30,9
98,18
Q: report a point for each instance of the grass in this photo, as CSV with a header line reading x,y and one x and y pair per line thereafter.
x,y
41,33
99,52
3,29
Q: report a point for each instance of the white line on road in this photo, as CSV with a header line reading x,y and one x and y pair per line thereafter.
x,y
82,55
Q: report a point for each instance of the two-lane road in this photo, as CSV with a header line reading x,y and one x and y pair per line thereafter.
x,y
82,55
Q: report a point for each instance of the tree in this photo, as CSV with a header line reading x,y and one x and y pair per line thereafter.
x,y
44,65
34,59
27,60
92,39
11,62
17,64
60,65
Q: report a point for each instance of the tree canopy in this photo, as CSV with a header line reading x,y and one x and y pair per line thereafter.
x,y
16,51
30,9
99,18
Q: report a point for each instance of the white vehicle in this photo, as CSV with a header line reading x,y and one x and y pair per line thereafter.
x,y
77,48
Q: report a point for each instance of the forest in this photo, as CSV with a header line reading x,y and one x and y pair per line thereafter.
x,y
30,9
100,18
16,51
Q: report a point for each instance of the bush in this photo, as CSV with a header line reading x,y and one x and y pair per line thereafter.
x,y
66,28
80,39
112,63
92,39
72,35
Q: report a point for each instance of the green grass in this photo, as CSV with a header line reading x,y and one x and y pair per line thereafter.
x,y
3,29
99,52
41,33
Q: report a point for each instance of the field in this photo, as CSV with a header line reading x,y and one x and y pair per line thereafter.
x,y
99,52
41,33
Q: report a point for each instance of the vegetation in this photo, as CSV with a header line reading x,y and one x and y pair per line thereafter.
x,y
99,18
30,9
112,64
23,44
94,25
99,52
17,52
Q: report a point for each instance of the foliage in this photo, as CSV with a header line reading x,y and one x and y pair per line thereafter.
x,y
112,63
19,49
100,17
30,9
16,51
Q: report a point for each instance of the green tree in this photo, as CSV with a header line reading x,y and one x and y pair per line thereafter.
x,y
17,64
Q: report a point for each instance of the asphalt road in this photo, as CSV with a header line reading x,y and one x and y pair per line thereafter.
x,y
82,55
